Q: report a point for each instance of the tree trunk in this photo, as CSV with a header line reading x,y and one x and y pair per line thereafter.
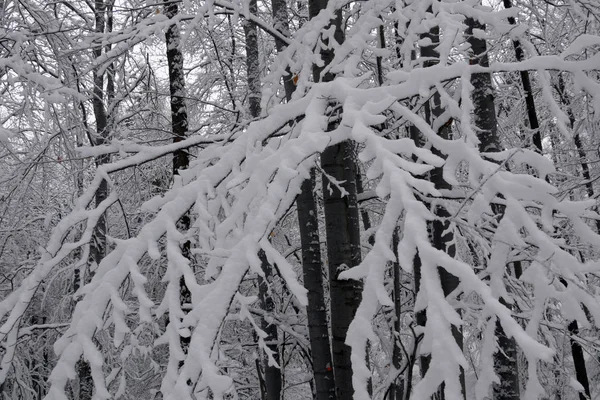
x,y
585,169
526,82
272,374
397,386
577,352
312,266
98,245
343,252
364,214
280,22
441,235
179,126
341,227
252,62
573,327
98,248
484,113
506,365
579,361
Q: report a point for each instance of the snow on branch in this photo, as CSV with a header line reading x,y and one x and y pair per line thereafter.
x,y
242,184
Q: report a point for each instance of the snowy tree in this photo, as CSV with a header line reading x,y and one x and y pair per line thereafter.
x,y
474,204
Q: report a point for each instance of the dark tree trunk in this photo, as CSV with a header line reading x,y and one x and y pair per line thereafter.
x,y
505,359
573,327
506,365
585,169
526,82
312,266
252,62
280,22
579,362
441,234
366,220
577,352
179,117
364,214
341,227
98,248
179,126
272,376
397,386
343,252
98,245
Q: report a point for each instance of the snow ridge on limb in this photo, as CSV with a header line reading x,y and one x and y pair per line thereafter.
x,y
240,187
516,191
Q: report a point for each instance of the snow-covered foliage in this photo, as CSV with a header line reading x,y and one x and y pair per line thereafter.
x,y
505,207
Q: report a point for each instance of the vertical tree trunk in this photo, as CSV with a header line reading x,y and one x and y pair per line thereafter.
x,y
272,374
441,235
579,361
252,62
98,245
312,266
505,359
526,82
585,169
179,126
364,214
343,252
576,350
397,386
341,227
280,23
573,327
179,117
98,248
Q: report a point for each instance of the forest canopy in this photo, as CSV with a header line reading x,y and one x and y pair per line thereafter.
x,y
283,199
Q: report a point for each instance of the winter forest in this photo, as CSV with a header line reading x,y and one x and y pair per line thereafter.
x,y
291,199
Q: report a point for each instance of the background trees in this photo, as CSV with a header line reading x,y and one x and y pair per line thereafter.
x,y
424,103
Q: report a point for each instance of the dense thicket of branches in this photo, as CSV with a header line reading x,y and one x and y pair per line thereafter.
x,y
299,200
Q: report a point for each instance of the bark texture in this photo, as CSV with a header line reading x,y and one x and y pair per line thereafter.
x,y
484,113
397,386
526,82
98,245
343,252
440,231
342,225
98,248
312,266
179,127
573,327
576,350
272,375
